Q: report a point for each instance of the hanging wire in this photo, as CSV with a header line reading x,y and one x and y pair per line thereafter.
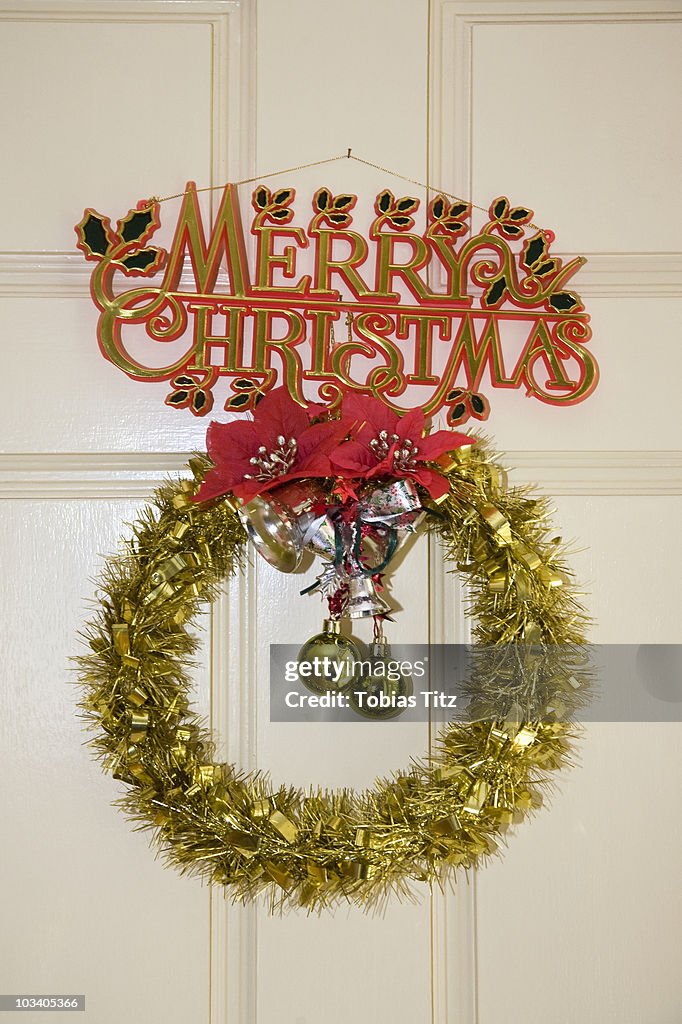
x,y
332,160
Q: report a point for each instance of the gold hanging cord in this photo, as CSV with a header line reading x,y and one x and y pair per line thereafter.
x,y
331,160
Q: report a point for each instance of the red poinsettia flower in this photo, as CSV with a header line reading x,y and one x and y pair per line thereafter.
x,y
279,444
388,444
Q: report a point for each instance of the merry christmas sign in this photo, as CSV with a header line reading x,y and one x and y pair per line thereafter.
x,y
422,304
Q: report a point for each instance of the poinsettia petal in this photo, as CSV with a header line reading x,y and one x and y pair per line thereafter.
x,y
383,468
433,445
248,489
314,410
316,459
278,415
231,443
321,437
317,466
353,459
411,425
435,483
217,483
368,416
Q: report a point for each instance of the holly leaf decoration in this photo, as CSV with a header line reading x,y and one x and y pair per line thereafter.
x,y
238,401
499,208
459,209
508,219
97,239
480,406
458,413
321,199
137,225
261,198
565,302
495,292
191,392
467,403
95,235
335,210
535,258
395,212
399,217
385,201
401,222
178,399
407,205
534,250
249,393
201,402
448,217
144,261
274,207
543,269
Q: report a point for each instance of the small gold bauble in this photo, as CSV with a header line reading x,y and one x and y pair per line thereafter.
x,y
384,691
332,658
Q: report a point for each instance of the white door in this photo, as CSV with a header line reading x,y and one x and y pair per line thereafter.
x,y
566,105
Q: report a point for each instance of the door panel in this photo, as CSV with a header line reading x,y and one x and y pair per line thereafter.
x,y
580,919
86,907
586,902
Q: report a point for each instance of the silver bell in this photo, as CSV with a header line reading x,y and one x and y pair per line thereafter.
x,y
363,600
273,530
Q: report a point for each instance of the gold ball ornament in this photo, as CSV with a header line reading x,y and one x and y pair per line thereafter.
x,y
331,659
315,847
383,691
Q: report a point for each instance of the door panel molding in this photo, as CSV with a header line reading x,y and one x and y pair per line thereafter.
x,y
232,109
451,114
35,275
107,475
234,708
454,982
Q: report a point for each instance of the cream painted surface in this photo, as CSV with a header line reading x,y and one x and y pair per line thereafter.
x,y
85,906
580,921
112,77
602,110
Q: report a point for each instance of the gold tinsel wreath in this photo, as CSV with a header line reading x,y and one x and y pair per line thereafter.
x,y
312,848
